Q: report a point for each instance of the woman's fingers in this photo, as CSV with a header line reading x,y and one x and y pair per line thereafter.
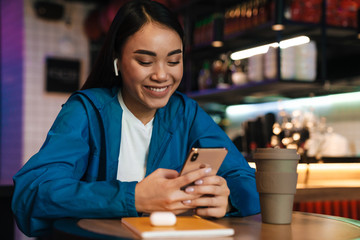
x,y
214,194
211,212
206,201
211,180
213,185
193,176
209,206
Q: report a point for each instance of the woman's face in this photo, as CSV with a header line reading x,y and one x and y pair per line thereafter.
x,y
151,67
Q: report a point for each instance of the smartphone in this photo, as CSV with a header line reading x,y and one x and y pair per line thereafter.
x,y
204,158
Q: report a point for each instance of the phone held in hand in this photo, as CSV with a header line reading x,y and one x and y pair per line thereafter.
x,y
204,158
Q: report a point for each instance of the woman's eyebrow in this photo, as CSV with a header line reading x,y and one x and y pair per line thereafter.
x,y
141,51
150,53
177,51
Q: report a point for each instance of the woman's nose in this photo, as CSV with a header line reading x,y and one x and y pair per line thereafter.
x,y
160,73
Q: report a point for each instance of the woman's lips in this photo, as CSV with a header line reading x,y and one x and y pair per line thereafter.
x,y
157,91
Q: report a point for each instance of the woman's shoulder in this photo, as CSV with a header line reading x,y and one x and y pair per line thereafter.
x,y
97,96
99,93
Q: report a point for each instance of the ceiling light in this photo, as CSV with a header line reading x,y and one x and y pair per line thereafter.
x,y
217,44
264,48
294,42
251,52
279,16
277,27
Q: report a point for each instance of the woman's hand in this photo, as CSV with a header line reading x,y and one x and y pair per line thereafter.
x,y
214,200
161,191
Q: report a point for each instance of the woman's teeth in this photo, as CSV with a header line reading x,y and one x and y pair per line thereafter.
x,y
157,89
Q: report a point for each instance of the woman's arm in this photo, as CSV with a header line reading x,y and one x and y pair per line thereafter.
x,y
50,184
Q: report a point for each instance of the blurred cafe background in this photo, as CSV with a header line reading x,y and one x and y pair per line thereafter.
x,y
271,73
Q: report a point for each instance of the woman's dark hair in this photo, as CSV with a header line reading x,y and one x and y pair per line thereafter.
x,y
129,19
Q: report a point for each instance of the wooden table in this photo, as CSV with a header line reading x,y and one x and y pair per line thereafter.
x,y
304,226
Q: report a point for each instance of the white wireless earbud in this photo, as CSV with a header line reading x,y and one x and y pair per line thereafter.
x,y
115,67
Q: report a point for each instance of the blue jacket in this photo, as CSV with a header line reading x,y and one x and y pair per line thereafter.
x,y
74,173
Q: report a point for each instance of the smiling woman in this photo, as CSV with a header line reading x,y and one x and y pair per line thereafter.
x,y
151,69
117,146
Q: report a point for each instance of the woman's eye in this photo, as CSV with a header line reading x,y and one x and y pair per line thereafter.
x,y
174,63
144,63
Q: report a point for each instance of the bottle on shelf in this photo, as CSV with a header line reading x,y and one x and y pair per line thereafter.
x,y
306,56
270,64
263,15
255,68
287,63
245,16
203,31
233,21
221,75
255,12
341,13
238,77
204,78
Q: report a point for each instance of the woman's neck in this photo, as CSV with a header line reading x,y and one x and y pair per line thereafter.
x,y
144,114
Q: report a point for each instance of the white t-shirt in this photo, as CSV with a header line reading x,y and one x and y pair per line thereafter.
x,y
134,145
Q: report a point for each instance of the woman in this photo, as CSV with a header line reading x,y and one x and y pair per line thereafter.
x,y
117,146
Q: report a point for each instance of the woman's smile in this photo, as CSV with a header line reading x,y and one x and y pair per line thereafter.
x,y
157,91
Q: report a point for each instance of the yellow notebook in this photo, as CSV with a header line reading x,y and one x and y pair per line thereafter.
x,y
186,226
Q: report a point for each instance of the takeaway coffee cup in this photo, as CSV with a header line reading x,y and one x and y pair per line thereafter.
x,y
276,178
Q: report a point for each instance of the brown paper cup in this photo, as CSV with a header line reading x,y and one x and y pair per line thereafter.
x,y
276,179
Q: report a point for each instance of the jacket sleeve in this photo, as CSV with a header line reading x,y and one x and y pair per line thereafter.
x,y
240,177
50,185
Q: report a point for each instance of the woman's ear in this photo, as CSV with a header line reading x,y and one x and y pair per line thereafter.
x,y
116,66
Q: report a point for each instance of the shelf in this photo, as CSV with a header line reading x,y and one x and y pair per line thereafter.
x,y
241,40
337,47
263,34
263,91
236,94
